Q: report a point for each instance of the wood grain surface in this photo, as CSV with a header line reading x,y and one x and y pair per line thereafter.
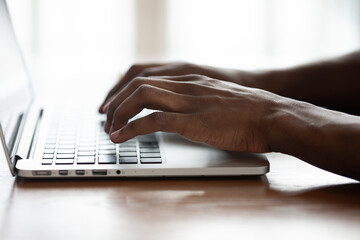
x,y
293,201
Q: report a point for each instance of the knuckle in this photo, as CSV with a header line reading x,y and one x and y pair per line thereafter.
x,y
143,91
188,65
135,67
190,85
192,76
147,72
117,119
138,81
160,119
111,109
116,115
196,76
131,126
112,106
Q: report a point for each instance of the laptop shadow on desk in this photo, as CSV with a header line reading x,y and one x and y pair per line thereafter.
x,y
140,183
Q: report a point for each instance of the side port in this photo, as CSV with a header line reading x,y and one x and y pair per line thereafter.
x,y
63,172
99,172
80,172
41,173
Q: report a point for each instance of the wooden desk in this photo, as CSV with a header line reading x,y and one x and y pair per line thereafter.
x,y
293,201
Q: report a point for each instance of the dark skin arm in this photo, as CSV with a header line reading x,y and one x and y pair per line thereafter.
x,y
233,117
333,83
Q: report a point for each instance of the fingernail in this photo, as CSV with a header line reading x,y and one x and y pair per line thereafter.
x,y
115,135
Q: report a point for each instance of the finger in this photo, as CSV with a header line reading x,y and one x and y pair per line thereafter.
x,y
130,74
186,88
178,87
150,97
109,97
106,105
151,70
158,121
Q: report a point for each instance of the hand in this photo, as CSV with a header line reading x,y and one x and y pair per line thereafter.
x,y
202,109
174,69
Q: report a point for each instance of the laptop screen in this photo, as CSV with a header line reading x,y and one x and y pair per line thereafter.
x,y
15,87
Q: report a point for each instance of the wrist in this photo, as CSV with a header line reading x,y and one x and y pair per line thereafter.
x,y
289,125
321,137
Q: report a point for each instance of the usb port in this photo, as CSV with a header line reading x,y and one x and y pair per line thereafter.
x,y
42,173
99,172
80,172
63,172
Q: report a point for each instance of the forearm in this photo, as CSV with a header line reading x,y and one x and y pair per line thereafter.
x,y
333,84
327,139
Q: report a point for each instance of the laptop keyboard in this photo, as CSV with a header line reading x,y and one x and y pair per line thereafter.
x,y
68,143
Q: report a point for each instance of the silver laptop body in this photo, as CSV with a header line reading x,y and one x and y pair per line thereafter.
x,y
38,142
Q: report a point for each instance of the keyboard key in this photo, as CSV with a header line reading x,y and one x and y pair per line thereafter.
x,y
50,146
150,155
148,144
127,149
86,153
107,152
66,151
107,147
87,137
86,149
147,138
65,156
150,160
87,142
149,150
87,145
128,144
66,146
128,154
48,156
46,162
85,160
67,138
49,151
105,142
128,160
64,161
67,143
107,159
51,142
104,137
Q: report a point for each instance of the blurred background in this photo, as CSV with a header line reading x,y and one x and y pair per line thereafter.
x,y
67,42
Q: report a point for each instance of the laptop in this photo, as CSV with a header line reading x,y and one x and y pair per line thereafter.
x,y
38,142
